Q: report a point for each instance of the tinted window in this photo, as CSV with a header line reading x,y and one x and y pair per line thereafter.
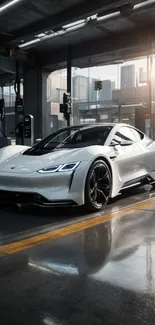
x,y
124,133
59,138
71,138
82,138
137,136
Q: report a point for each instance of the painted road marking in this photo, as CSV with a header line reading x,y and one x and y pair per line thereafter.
x,y
67,230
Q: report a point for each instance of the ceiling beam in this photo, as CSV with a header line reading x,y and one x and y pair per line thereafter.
x,y
82,10
99,46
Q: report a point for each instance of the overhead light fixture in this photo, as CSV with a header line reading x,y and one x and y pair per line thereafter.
x,y
41,39
41,35
9,4
70,29
34,41
106,17
93,17
144,4
74,23
80,22
47,37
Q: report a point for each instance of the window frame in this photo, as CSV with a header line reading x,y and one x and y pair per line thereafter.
x,y
131,128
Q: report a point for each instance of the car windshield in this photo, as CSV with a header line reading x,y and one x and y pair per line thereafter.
x,y
71,138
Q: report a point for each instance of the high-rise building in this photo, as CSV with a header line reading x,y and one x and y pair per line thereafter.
x,y
80,88
106,92
142,76
128,76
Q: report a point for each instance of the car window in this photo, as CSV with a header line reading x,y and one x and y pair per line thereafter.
x,y
95,136
71,138
124,133
60,138
137,136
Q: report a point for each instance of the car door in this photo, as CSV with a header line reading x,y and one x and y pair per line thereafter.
x,y
129,157
148,146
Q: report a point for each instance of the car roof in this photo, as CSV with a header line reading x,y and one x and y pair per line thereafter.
x,y
88,126
95,125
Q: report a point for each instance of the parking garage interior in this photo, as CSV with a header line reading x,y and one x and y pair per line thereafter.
x,y
62,266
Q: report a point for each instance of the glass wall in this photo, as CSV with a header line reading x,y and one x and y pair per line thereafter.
x,y
9,95
124,90
8,92
125,95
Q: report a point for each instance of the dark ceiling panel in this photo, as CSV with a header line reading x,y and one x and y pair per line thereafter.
x,y
73,38
90,32
25,17
147,16
33,11
33,16
118,25
98,46
52,7
60,11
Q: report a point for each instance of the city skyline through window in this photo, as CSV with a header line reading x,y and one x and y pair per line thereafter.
x,y
109,72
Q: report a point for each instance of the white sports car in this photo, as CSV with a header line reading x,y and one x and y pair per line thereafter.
x,y
79,165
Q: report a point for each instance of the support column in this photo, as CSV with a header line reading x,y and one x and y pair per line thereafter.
x,y
149,82
35,100
69,76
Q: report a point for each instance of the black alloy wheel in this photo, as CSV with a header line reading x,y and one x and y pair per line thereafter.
x,y
98,186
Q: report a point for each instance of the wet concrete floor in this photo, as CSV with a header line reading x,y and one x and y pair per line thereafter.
x,y
102,273
14,224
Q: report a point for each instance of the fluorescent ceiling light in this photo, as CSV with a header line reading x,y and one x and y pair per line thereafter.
x,y
70,29
41,39
8,5
80,22
106,17
144,4
92,17
59,33
41,35
37,40
74,23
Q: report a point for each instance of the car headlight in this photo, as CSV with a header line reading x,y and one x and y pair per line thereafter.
x,y
69,167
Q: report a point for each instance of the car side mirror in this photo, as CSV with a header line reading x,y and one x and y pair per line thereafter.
x,y
114,143
126,143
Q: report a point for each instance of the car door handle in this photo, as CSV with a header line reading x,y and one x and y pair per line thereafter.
x,y
113,157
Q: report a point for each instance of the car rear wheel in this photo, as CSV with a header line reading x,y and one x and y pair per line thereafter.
x,y
98,186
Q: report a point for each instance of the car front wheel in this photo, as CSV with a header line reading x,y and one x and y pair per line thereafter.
x,y
98,186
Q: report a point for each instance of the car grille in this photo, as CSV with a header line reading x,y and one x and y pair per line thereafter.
x,y
16,197
31,198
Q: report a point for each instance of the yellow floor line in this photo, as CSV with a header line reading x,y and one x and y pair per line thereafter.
x,y
38,239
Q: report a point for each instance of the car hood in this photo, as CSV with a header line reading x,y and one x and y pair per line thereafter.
x,y
20,163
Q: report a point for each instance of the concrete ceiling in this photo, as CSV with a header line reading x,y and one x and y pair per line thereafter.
x,y
99,41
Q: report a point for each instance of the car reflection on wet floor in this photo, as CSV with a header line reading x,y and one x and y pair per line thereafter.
x,y
103,274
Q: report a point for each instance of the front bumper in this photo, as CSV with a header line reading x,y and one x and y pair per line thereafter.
x,y
35,199
55,189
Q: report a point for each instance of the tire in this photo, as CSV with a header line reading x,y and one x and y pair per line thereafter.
x,y
98,186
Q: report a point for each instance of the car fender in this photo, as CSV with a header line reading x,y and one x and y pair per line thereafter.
x,y
79,177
